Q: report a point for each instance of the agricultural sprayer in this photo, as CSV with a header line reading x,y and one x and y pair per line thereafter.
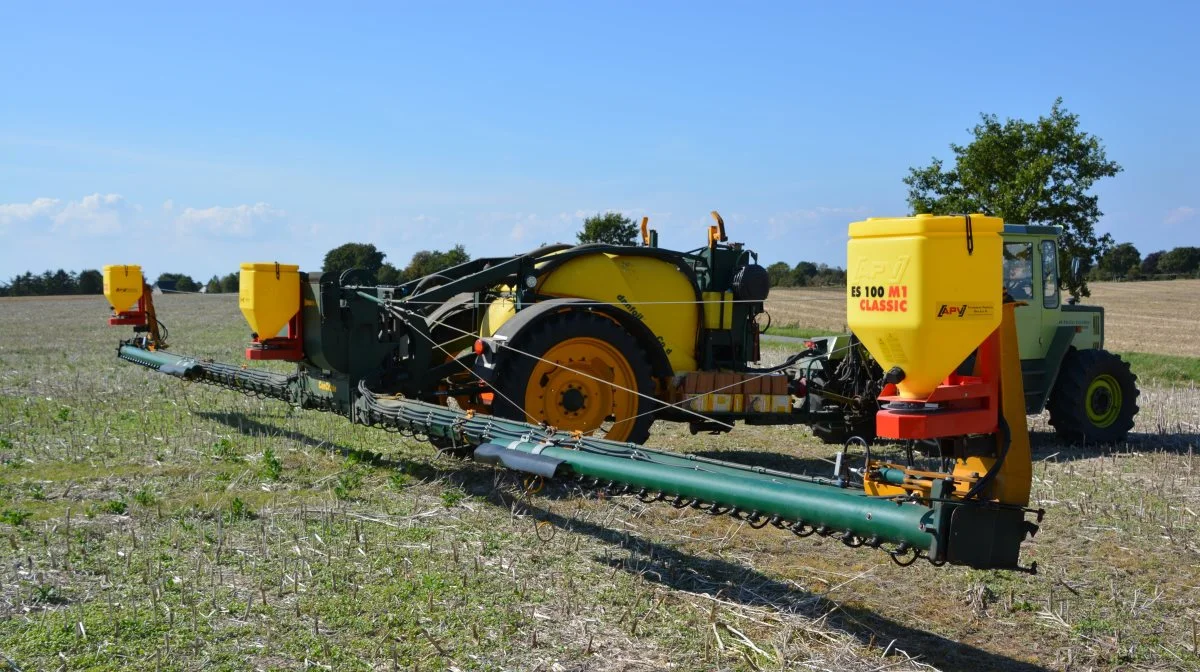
x,y
556,362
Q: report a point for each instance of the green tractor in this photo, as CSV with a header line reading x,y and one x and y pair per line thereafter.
x,y
1090,392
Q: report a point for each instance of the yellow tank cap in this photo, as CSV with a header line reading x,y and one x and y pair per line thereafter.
x,y
122,286
269,295
923,292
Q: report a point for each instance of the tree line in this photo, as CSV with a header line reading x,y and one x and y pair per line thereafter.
x,y
53,283
1125,262
91,281
806,274
370,260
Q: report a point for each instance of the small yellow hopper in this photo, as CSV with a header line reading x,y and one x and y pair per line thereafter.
x,y
923,292
269,297
123,286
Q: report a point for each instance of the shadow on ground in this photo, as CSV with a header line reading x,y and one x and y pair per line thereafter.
x,y
683,571
1047,445
679,570
472,477
249,426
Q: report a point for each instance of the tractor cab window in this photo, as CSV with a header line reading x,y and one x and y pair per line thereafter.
x,y
1018,270
1049,274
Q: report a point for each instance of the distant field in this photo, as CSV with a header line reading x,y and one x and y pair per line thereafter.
x,y
1149,317
1159,317
149,524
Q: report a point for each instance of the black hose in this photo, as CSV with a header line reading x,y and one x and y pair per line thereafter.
x,y
991,474
787,362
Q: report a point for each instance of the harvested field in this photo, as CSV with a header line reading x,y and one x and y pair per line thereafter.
x,y
1159,317
1155,317
151,524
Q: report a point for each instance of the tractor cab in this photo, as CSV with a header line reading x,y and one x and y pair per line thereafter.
x,y
1090,392
1031,276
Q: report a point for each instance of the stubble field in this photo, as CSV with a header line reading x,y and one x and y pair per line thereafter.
x,y
151,524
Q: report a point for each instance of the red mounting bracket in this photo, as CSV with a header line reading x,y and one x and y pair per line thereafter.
x,y
288,348
960,405
137,317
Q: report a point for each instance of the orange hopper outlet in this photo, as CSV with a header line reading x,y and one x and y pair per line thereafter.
x,y
269,297
924,296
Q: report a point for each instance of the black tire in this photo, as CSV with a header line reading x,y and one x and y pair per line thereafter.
x,y
514,371
1094,399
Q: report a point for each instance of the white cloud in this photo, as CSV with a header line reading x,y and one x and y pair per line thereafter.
x,y
19,213
1179,215
168,205
238,220
94,215
97,214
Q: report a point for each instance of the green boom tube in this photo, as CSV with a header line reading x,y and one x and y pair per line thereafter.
x,y
184,367
838,509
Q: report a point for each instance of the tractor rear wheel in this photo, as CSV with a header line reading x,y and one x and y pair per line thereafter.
x,y
1095,398
577,371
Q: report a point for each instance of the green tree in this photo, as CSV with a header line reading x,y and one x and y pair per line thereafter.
x,y
59,282
780,274
354,255
1118,259
1150,262
1180,261
213,286
1037,172
611,228
828,276
91,282
183,282
428,262
389,275
27,285
803,273
230,283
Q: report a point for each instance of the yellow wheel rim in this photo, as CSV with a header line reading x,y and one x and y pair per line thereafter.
x,y
584,384
1103,402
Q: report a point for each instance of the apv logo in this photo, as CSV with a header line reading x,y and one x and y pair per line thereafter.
x,y
952,311
869,270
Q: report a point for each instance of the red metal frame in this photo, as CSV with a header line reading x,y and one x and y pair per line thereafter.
x,y
137,317
965,404
288,348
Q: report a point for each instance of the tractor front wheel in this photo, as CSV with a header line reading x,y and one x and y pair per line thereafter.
x,y
1095,398
577,371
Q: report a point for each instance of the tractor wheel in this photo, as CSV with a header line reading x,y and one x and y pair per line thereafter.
x,y
580,372
1095,398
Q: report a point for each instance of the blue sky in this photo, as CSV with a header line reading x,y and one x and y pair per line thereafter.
x,y
191,139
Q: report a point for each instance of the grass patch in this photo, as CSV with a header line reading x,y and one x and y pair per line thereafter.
x,y
1163,368
793,331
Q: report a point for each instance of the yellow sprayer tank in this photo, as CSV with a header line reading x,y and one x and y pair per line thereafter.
x,y
269,295
923,292
123,286
652,290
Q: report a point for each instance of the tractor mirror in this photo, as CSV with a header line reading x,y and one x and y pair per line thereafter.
x,y
1076,262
